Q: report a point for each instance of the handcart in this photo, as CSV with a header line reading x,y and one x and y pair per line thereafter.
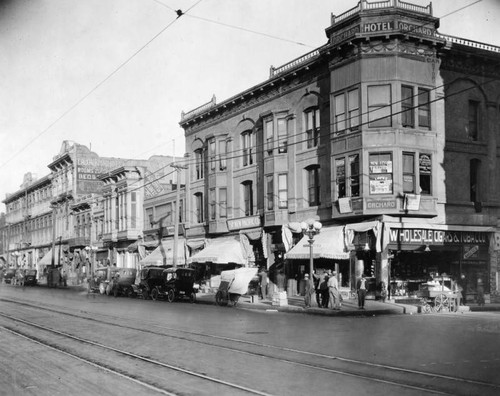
x,y
233,284
436,296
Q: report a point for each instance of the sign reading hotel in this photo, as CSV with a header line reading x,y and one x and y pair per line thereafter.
x,y
243,222
418,236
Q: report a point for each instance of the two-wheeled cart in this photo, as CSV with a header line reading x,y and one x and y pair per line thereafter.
x,y
435,296
233,284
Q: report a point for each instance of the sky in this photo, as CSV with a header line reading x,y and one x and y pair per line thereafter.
x,y
115,75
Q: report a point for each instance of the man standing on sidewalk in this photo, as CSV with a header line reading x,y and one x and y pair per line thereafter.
x,y
333,288
361,289
309,290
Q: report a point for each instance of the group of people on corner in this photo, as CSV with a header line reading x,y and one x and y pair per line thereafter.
x,y
326,288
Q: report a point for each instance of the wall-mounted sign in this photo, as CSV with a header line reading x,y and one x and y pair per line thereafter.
x,y
243,222
412,202
381,204
381,184
345,205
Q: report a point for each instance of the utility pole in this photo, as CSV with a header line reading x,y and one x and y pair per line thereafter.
x,y
177,210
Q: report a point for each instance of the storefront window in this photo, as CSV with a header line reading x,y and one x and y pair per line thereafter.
x,y
381,173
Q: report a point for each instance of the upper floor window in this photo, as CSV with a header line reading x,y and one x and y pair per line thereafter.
x,y
248,144
474,169
269,133
473,124
340,179
270,192
346,108
313,185
379,106
407,107
222,202
198,207
198,154
212,203
425,173
381,173
222,155
408,172
282,135
312,126
211,155
283,190
354,175
247,198
424,108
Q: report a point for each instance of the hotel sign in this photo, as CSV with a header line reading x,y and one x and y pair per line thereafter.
x,y
381,204
391,26
419,236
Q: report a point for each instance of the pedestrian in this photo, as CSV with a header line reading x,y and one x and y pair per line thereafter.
x,y
457,290
361,290
333,289
280,280
263,283
309,290
323,290
480,292
463,285
317,281
383,291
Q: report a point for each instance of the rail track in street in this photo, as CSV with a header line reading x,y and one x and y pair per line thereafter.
x,y
82,335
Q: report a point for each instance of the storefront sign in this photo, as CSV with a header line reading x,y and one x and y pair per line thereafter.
x,y
243,222
381,204
436,237
378,27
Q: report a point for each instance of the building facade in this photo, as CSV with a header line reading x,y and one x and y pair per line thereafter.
x,y
387,134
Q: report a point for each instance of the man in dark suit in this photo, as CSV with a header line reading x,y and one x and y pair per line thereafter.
x,y
361,288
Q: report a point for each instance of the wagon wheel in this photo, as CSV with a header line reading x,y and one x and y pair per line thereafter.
x,y
192,298
426,308
171,295
219,299
154,294
441,302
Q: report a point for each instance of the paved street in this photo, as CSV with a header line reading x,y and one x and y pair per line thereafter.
x,y
354,354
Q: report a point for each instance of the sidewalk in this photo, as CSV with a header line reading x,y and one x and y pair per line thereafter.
x,y
296,305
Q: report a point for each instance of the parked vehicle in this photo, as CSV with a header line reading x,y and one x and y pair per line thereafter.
x,y
30,277
233,284
149,278
100,280
121,282
9,274
177,283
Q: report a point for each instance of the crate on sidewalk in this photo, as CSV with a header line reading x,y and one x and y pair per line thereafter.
x,y
280,299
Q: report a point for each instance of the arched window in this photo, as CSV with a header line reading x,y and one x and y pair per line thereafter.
x,y
248,145
311,125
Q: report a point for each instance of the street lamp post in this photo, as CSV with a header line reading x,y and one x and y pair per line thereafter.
x,y
310,228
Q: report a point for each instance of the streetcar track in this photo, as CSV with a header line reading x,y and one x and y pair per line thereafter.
x,y
432,376
119,351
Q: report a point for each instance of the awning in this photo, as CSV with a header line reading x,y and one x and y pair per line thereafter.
x,y
134,247
221,251
164,254
328,244
47,259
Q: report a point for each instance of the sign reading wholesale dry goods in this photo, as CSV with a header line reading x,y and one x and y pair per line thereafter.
x,y
417,236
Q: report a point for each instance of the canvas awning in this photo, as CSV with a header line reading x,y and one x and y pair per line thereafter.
x,y
47,259
134,247
328,244
221,251
164,254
